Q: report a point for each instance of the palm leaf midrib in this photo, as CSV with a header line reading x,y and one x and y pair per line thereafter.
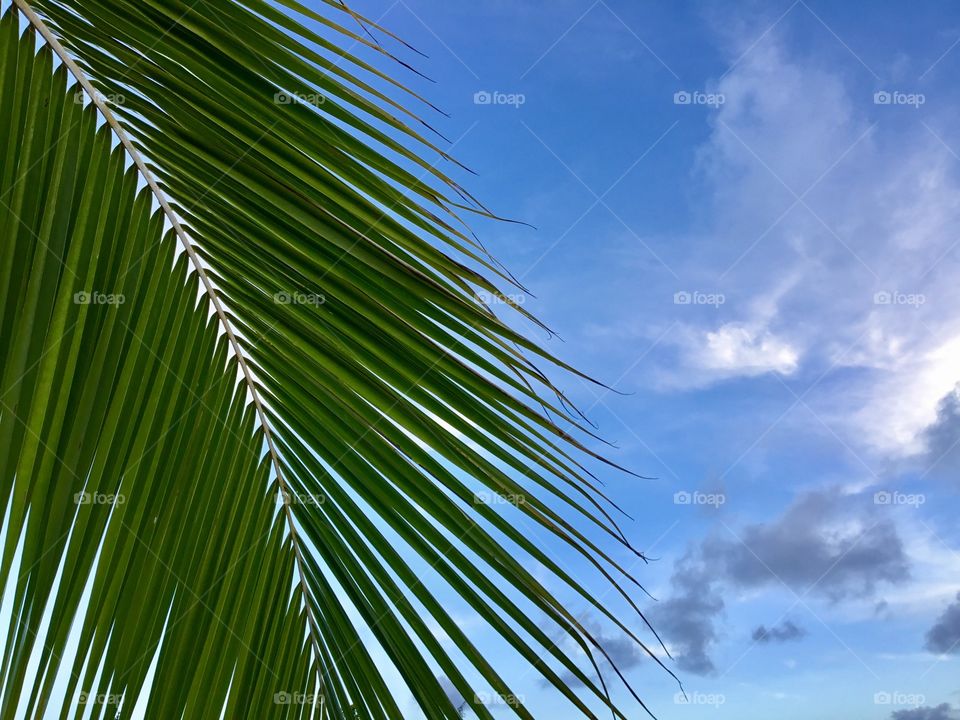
x,y
184,240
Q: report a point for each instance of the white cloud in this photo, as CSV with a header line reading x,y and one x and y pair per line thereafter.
x,y
831,232
905,396
735,349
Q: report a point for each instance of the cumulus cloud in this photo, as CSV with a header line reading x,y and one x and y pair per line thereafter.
x,y
944,637
784,632
826,544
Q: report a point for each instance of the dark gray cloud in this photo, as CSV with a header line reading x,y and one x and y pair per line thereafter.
x,y
942,437
686,618
940,712
813,547
784,632
826,543
624,652
944,637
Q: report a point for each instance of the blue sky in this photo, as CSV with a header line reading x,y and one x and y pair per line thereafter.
x,y
769,269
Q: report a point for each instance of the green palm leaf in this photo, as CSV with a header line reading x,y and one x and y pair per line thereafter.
x,y
231,502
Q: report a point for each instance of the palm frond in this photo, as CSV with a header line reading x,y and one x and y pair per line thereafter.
x,y
377,394
121,415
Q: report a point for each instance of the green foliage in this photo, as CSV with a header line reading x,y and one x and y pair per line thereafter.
x,y
150,521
